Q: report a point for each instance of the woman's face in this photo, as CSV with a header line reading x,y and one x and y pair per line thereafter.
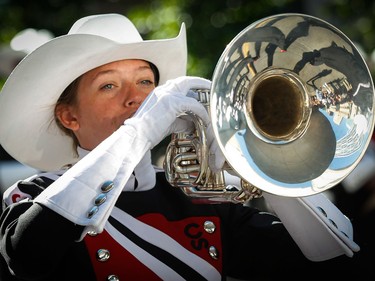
x,y
106,97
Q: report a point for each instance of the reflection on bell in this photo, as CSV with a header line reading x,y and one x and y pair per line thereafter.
x,y
288,105
291,105
302,160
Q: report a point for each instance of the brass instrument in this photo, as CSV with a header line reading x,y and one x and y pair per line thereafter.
x,y
291,105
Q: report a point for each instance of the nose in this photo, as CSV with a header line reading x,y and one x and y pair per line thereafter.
x,y
134,98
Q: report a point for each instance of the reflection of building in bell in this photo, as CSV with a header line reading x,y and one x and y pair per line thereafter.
x,y
344,111
353,141
346,84
337,87
349,144
340,86
336,96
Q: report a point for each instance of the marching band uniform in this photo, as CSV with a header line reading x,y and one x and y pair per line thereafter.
x,y
154,232
112,215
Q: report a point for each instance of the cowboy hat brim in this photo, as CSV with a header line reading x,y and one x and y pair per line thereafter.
x,y
28,131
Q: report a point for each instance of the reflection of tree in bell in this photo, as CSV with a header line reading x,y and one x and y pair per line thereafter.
x,y
262,34
339,59
268,34
302,29
278,39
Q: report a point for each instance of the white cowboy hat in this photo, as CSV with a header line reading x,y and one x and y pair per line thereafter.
x,y
28,131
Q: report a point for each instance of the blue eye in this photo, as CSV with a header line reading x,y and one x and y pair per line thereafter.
x,y
147,82
108,87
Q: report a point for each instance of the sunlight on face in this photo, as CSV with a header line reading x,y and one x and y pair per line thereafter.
x,y
107,96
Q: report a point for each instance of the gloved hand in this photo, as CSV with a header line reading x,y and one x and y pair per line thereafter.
x,y
318,227
160,114
73,194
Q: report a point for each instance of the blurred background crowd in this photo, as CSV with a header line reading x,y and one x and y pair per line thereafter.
x,y
211,25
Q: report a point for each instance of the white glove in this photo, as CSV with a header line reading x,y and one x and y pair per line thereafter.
x,y
318,227
73,194
162,114
157,116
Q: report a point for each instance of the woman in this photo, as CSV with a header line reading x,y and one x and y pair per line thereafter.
x,y
90,109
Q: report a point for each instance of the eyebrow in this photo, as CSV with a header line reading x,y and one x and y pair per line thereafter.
x,y
140,68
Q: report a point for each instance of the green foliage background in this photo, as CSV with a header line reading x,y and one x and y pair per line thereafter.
x,y
210,24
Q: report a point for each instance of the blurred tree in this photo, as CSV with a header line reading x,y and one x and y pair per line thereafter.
x,y
353,17
210,24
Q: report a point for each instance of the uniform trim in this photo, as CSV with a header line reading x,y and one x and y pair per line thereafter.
x,y
158,251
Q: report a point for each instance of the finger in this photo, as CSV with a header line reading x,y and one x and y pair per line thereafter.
x,y
192,94
194,106
182,125
150,100
187,83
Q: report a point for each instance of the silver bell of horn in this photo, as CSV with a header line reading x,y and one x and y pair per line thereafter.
x,y
291,105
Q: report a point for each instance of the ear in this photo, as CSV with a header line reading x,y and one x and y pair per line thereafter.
x,y
65,114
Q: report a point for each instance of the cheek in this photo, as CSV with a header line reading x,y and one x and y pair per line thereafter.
x,y
97,126
90,116
106,118
106,115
